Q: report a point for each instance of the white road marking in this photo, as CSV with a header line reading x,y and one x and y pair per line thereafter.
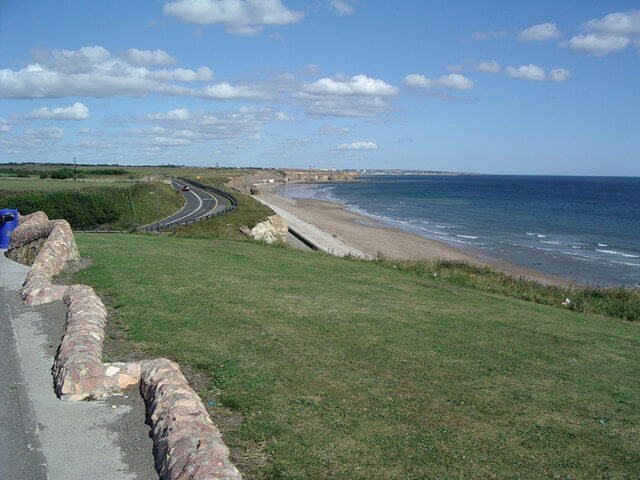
x,y
185,216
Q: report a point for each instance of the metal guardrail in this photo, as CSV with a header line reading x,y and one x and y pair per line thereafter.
x,y
222,193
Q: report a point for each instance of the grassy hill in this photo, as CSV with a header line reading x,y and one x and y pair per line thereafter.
x,y
125,206
319,367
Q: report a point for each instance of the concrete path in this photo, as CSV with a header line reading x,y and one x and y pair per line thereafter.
x,y
41,436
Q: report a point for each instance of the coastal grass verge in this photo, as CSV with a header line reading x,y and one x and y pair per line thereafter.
x,y
13,187
320,367
104,207
615,301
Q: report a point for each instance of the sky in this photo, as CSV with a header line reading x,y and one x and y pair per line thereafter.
x,y
535,87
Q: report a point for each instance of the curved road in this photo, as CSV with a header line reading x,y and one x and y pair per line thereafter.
x,y
199,203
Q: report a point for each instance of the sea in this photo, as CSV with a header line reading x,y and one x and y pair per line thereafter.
x,y
584,229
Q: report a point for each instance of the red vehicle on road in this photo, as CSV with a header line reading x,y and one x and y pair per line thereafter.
x,y
186,188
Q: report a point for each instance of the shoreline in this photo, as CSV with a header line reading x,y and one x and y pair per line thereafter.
x,y
326,221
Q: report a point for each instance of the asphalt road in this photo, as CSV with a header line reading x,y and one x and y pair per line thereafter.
x,y
199,203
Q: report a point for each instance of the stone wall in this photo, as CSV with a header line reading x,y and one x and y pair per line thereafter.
x,y
187,445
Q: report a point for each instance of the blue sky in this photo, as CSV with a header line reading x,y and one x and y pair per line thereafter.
x,y
497,87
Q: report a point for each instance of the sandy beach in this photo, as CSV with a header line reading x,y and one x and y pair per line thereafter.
x,y
373,239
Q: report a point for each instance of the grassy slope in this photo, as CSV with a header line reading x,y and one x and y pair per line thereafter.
x,y
24,185
93,205
342,369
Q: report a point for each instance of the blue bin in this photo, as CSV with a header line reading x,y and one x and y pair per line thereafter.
x,y
8,222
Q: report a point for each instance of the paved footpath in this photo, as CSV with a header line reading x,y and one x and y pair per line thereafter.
x,y
41,436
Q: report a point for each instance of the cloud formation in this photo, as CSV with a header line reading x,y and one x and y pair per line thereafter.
x,y
537,33
358,146
357,85
181,126
148,58
598,45
343,7
77,111
453,81
618,23
525,72
611,33
327,130
45,133
488,67
536,73
240,17
225,91
93,72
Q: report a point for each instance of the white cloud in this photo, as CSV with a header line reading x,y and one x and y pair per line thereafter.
x,y
611,33
618,23
78,61
454,68
77,111
148,58
491,34
558,75
177,114
5,128
45,133
357,85
488,67
358,146
596,44
453,80
343,7
225,91
241,17
536,73
283,117
203,125
343,106
91,72
327,130
172,142
203,74
526,72
537,33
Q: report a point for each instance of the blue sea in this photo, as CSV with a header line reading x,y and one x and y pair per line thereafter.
x,y
585,229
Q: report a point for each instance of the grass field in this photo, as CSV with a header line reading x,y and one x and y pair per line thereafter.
x,y
24,185
105,207
323,368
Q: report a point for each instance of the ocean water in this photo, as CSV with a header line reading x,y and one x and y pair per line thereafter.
x,y
585,229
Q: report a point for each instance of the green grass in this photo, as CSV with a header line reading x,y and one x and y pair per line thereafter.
x,y
619,302
54,185
105,207
324,368
248,213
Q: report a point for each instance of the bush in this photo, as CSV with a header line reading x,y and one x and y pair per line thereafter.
x,y
62,173
82,209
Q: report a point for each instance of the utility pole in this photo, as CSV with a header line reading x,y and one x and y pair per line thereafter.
x,y
157,209
246,186
75,170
